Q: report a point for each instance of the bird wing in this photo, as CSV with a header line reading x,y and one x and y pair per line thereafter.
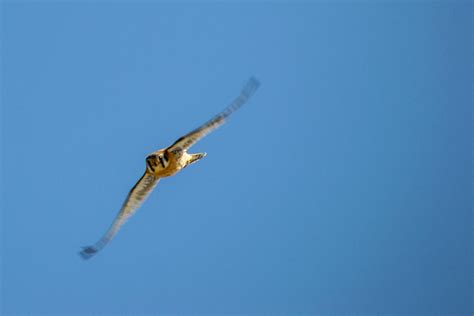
x,y
134,200
183,143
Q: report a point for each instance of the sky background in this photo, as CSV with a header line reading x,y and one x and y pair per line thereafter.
x,y
343,186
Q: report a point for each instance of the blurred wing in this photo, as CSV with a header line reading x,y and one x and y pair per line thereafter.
x,y
134,200
191,138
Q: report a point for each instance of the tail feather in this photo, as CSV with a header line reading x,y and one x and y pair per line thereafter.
x,y
195,157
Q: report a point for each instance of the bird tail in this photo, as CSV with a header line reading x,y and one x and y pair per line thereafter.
x,y
195,157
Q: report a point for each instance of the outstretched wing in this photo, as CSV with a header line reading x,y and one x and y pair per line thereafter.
x,y
135,198
191,138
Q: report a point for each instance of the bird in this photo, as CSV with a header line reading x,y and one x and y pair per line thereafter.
x,y
167,162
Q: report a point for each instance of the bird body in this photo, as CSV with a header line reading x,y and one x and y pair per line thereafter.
x,y
165,163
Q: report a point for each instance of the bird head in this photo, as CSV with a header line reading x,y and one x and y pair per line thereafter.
x,y
157,161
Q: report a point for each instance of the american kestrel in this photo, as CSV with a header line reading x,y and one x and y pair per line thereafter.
x,y
167,162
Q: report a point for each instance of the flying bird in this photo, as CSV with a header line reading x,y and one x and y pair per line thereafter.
x,y
167,162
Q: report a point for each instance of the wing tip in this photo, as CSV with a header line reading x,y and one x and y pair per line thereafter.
x,y
251,86
87,252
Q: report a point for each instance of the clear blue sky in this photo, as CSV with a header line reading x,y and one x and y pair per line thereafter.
x,y
343,186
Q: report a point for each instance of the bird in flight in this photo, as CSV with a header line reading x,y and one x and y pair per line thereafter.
x,y
167,162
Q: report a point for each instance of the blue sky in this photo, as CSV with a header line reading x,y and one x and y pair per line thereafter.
x,y
343,186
